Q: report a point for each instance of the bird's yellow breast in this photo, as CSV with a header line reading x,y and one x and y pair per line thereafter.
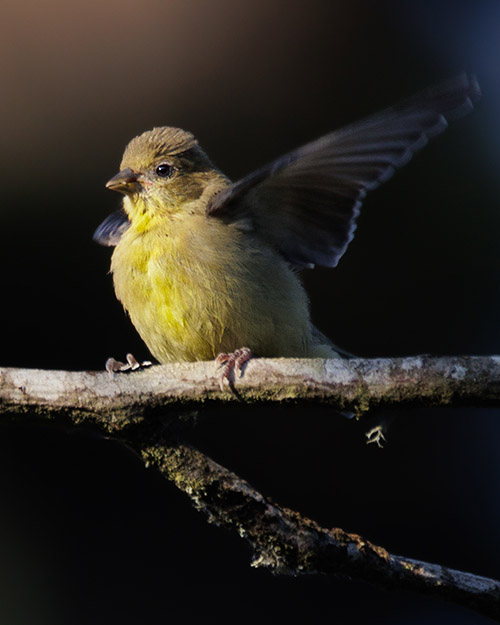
x,y
195,287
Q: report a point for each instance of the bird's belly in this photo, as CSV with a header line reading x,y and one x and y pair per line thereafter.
x,y
190,307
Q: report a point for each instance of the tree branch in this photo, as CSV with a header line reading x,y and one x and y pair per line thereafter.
x,y
355,385
287,543
282,540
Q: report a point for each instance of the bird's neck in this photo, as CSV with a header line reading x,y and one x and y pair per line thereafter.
x,y
149,211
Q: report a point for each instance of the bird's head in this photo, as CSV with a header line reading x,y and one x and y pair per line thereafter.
x,y
162,171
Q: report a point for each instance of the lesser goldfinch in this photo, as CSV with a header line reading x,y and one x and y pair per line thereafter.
x,y
204,266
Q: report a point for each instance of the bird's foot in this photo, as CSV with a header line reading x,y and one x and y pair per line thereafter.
x,y
231,363
376,435
115,366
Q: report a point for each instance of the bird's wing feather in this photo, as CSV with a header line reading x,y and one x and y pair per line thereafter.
x,y
305,203
112,228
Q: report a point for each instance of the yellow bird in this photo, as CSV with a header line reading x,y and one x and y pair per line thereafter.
x,y
205,267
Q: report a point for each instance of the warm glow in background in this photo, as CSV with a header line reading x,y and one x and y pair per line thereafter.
x,y
87,535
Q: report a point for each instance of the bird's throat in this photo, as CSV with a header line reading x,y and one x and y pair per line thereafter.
x,y
140,213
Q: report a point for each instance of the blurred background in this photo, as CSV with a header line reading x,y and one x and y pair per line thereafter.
x,y
87,534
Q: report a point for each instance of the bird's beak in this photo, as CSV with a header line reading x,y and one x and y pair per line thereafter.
x,y
126,181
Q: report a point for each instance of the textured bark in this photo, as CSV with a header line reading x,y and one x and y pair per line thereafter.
x,y
137,406
354,385
287,543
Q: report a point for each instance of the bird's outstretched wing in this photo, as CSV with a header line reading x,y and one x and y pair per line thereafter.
x,y
305,203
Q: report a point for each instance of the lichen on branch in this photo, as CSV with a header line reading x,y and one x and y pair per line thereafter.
x,y
137,408
355,384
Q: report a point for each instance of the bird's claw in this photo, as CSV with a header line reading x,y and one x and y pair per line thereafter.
x,y
376,435
115,366
231,363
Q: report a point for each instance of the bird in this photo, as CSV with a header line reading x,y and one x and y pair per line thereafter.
x,y
208,268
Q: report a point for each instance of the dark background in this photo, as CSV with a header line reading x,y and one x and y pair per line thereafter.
x,y
87,534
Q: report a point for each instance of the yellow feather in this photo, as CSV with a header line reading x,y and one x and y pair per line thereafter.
x,y
193,285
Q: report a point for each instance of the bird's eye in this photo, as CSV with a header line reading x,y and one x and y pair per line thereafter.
x,y
164,170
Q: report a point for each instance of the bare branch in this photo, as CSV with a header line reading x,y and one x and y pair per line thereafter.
x,y
287,543
282,540
356,385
